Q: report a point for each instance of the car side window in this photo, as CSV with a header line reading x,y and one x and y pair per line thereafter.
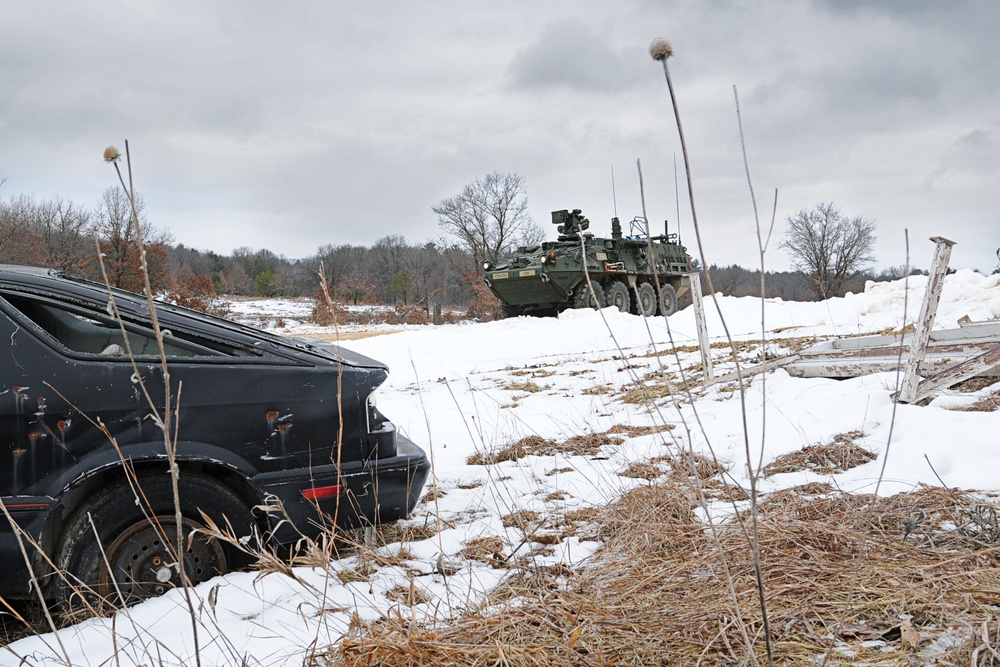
x,y
87,331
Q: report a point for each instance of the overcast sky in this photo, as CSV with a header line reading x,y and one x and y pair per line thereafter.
x,y
292,125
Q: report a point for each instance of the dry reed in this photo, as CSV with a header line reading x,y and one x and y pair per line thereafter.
x,y
845,572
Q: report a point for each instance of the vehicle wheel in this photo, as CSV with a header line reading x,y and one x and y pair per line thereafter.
x,y
584,298
509,311
646,300
618,296
668,300
138,548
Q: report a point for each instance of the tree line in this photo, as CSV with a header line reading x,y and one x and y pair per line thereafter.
x,y
61,234
486,221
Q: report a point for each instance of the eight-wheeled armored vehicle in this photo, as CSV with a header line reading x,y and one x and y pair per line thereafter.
x,y
550,277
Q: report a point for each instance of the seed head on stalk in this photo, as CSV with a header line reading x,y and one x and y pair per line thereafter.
x,y
111,154
660,49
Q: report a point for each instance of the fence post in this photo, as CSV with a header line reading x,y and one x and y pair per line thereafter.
x,y
924,324
699,318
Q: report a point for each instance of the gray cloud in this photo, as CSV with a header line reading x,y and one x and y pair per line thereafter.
x,y
254,124
571,54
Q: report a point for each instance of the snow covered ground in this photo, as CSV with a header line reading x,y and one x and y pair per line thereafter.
x,y
471,388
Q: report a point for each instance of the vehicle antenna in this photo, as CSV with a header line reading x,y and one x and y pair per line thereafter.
x,y
677,200
614,195
642,194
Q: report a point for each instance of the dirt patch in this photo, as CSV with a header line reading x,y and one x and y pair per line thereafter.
x,y
829,459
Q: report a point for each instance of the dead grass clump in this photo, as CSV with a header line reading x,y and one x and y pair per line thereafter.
x,y
434,494
974,384
526,386
587,445
351,576
411,595
545,538
398,531
488,549
988,404
645,393
636,431
519,519
835,457
518,450
642,470
533,445
838,575
688,464
716,488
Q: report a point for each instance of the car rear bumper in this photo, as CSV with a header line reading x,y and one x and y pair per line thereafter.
x,y
308,500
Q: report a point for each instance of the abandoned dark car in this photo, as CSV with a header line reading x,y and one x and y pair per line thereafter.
x,y
276,439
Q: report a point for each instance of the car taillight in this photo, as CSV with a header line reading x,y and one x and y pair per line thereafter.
x,y
321,492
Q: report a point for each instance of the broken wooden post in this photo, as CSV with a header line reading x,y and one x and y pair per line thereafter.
x,y
924,324
699,318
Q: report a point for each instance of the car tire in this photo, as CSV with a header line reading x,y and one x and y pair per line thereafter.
x,y
646,300
585,299
133,544
618,296
668,300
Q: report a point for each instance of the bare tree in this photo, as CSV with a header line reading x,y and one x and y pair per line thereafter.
x,y
490,217
828,246
62,226
112,225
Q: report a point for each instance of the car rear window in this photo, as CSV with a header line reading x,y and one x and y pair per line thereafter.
x,y
86,330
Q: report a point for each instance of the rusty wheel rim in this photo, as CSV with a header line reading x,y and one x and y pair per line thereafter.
x,y
142,561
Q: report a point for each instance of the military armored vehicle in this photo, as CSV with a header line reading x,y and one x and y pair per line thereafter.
x,y
550,277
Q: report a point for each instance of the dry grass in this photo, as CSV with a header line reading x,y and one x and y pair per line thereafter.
x,y
636,431
533,445
485,550
691,465
642,470
840,569
520,519
829,459
526,386
988,404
